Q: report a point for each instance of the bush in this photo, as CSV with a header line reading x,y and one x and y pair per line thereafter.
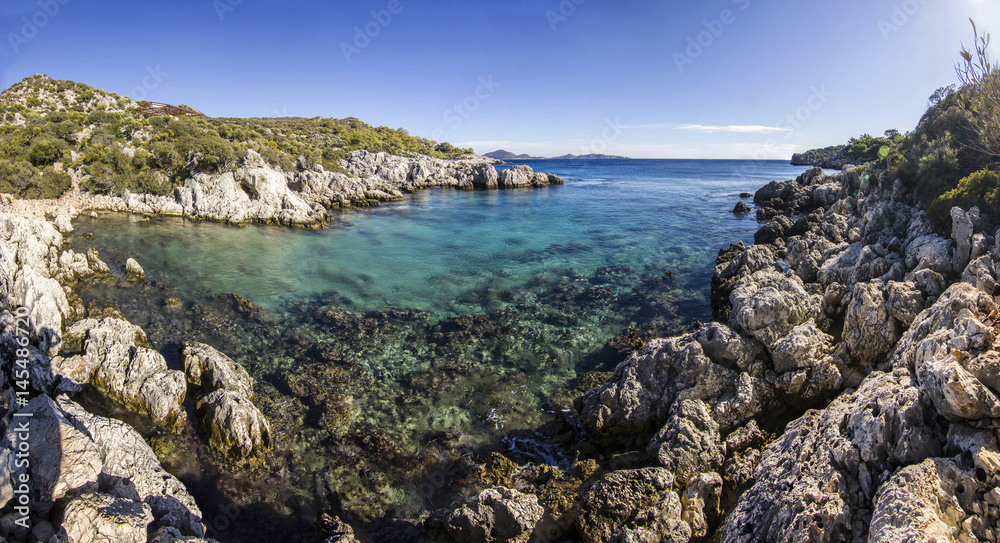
x,y
978,189
44,153
16,176
51,185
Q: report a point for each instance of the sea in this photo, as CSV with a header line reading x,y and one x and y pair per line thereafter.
x,y
427,332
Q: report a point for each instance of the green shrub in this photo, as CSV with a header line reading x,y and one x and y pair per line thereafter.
x,y
44,153
978,189
51,185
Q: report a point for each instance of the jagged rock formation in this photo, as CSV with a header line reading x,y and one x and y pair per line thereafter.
x,y
224,391
906,452
92,478
260,193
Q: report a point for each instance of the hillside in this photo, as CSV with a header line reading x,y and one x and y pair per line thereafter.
x,y
507,155
55,131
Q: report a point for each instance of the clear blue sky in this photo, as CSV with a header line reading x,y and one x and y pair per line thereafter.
x,y
552,76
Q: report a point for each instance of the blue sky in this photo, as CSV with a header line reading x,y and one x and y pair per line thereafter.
x,y
548,77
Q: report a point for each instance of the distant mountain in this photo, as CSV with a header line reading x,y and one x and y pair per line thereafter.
x,y
507,155
593,156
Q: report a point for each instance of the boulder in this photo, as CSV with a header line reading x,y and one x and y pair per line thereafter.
x,y
209,369
741,209
767,305
223,390
803,347
100,518
133,271
628,500
982,273
905,301
870,331
689,443
931,252
496,515
732,266
129,372
233,425
955,392
726,347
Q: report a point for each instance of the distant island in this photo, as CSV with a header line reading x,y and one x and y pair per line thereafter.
x,y
507,155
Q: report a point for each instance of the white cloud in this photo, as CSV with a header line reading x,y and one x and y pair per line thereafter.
x,y
735,129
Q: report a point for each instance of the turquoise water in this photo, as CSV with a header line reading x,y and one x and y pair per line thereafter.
x,y
432,250
428,332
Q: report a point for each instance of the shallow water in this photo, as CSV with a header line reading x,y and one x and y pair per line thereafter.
x,y
429,251
431,331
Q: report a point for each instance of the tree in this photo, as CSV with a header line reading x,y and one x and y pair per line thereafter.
x,y
982,75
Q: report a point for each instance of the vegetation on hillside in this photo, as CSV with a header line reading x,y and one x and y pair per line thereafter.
x,y
48,127
950,157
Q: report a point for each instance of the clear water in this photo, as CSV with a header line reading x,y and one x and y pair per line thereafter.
x,y
552,276
431,250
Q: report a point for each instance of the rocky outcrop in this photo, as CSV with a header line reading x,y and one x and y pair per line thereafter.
x,y
767,305
116,359
105,471
689,443
260,193
495,515
523,176
869,298
632,505
223,391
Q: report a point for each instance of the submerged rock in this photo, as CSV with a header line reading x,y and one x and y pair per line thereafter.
x,y
233,424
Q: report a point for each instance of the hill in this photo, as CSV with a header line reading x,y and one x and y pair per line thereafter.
x,y
507,155
50,129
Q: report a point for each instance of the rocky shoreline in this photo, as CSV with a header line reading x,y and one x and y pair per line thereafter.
x,y
847,391
257,192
